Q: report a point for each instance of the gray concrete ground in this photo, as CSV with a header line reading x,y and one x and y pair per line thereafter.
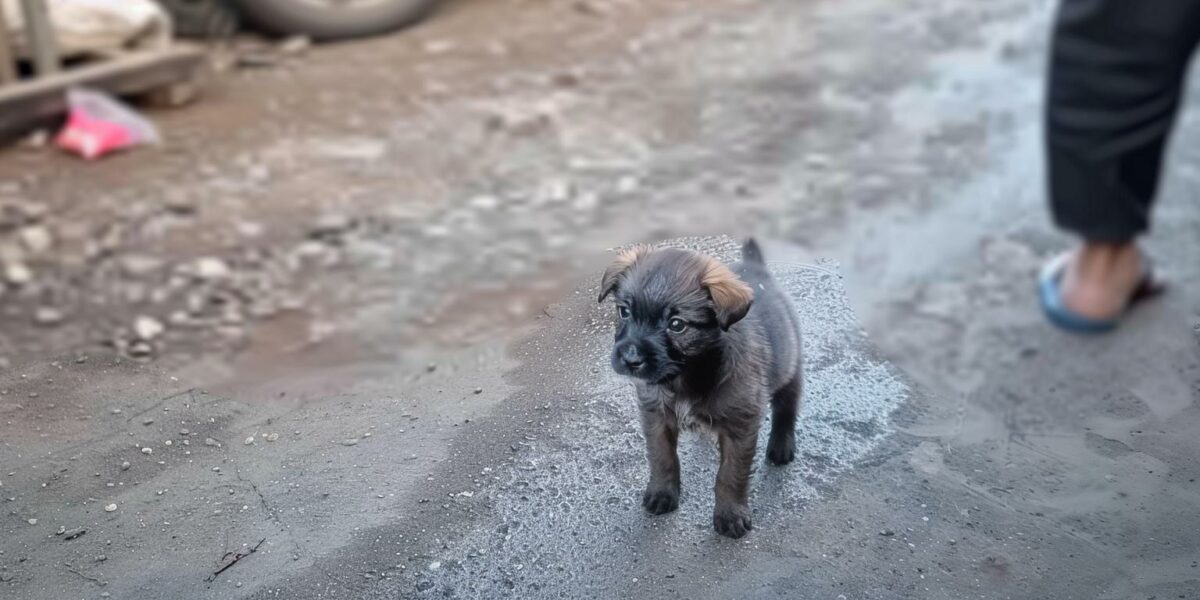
x,y
457,433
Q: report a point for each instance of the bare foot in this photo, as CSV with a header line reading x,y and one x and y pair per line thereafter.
x,y
1101,278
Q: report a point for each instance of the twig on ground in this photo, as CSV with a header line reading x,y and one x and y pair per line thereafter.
x,y
87,577
236,558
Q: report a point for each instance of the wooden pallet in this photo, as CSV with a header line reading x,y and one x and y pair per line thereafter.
x,y
168,77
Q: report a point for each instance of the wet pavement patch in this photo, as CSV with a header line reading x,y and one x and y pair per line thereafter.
x,y
569,504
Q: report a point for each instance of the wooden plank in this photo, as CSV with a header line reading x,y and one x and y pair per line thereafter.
x,y
40,33
26,104
8,62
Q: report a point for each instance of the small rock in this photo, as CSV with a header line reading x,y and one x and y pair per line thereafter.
x,y
249,229
210,268
101,558
147,450
125,466
147,328
478,390
33,521
272,437
295,45
439,46
74,533
211,442
140,349
251,59
16,273
350,442
61,530
429,368
148,422
249,440
484,202
331,225
36,239
48,316
37,140
140,265
110,508
556,190
424,585
179,204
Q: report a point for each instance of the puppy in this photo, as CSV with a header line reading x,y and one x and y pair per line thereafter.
x,y
713,346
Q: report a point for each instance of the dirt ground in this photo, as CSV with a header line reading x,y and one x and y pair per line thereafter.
x,y
347,310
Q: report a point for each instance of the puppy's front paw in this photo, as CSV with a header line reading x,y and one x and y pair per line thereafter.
x,y
658,502
732,521
781,451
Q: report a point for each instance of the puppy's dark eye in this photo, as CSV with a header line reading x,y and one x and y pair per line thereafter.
x,y
622,311
676,325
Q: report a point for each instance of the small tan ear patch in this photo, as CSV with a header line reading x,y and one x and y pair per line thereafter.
x,y
630,255
731,296
624,260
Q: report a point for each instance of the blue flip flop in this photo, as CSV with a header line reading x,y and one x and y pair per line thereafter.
x,y
1050,294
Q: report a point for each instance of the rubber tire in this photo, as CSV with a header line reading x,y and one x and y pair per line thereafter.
x,y
298,17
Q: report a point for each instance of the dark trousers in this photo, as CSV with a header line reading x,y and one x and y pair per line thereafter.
x,y
1116,78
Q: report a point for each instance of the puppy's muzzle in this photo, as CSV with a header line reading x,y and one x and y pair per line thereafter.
x,y
628,359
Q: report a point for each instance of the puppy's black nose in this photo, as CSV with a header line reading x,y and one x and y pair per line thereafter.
x,y
632,357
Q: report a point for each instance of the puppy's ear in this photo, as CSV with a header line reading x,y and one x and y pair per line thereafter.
x,y
731,296
616,271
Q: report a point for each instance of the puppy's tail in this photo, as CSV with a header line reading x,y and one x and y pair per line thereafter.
x,y
751,253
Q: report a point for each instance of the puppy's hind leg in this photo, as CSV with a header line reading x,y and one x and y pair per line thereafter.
x,y
785,405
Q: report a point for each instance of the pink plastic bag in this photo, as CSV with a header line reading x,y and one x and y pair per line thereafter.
x,y
98,124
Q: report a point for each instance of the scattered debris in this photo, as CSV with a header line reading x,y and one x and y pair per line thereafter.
x,y
98,124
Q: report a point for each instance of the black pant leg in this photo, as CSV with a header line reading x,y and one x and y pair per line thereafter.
x,y
1116,77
